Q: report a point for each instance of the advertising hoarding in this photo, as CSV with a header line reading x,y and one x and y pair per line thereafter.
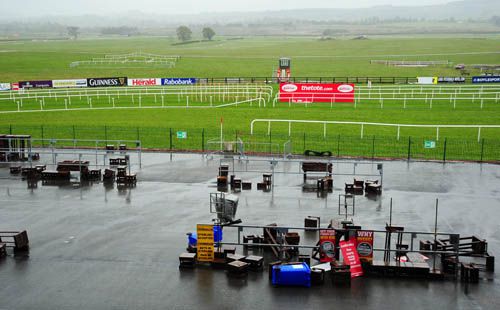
x,y
351,258
107,82
326,245
69,83
205,243
486,79
427,80
178,81
4,86
35,84
457,79
144,82
364,247
316,92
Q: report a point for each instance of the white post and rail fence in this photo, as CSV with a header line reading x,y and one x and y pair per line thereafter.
x,y
363,124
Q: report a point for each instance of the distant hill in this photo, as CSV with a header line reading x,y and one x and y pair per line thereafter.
x,y
459,10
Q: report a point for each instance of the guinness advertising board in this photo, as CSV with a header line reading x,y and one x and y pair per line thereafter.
x,y
107,82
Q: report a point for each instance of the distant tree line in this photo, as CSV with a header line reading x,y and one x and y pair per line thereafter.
x,y
184,33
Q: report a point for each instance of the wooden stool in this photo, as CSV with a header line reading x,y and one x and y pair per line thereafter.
x,y
229,250
187,260
256,262
238,268
234,257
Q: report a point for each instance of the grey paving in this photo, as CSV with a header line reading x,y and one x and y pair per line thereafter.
x,y
97,248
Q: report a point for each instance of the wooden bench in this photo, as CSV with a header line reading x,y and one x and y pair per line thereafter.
x,y
374,188
316,167
3,249
19,240
15,169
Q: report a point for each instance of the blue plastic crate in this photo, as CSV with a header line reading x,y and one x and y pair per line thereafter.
x,y
292,275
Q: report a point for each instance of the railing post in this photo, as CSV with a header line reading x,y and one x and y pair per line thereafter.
x,y
270,141
41,129
338,146
409,148
482,149
170,135
138,134
304,142
203,140
373,147
444,149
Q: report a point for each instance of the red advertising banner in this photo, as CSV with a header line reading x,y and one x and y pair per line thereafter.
x,y
351,258
316,92
326,245
364,240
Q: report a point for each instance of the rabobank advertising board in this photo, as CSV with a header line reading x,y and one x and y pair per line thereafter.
x,y
177,81
107,82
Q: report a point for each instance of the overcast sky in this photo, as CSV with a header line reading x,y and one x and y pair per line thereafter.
x,y
79,7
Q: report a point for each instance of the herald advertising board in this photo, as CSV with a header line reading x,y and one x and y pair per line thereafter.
x,y
107,82
486,79
69,83
316,92
351,258
364,247
144,82
326,245
35,84
177,81
15,86
4,86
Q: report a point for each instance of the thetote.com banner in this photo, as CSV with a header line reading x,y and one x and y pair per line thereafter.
x,y
315,92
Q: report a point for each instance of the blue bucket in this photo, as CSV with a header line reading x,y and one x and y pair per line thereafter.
x,y
217,233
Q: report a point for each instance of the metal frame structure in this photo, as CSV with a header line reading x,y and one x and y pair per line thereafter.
x,y
69,148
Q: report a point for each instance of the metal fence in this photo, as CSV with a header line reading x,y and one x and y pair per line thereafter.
x,y
186,139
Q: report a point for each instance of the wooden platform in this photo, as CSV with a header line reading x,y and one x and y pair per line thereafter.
x,y
399,269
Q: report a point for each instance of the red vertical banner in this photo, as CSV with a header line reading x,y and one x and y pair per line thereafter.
x,y
351,258
326,245
364,240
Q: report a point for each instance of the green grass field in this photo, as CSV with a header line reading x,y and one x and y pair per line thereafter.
x,y
252,57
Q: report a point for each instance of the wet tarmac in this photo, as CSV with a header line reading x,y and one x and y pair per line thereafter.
x,y
98,248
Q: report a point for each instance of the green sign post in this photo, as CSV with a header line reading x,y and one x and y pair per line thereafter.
x,y
430,144
182,135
